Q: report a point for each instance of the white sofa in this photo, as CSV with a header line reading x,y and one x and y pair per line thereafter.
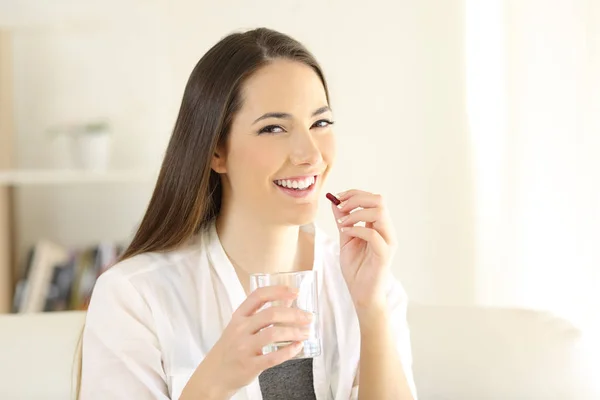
x,y
460,353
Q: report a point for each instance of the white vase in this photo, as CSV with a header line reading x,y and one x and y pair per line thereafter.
x,y
91,151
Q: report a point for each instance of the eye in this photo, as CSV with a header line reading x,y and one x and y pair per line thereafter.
x,y
271,130
322,123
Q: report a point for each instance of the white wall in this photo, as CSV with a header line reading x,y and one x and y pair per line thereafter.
x,y
554,75
396,71
534,97
77,71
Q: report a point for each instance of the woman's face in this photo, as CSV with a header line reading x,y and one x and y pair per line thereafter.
x,y
280,147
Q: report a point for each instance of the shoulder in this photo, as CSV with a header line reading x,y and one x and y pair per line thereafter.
x,y
152,270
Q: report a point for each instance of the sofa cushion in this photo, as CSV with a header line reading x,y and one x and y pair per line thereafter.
x,y
37,354
498,353
460,353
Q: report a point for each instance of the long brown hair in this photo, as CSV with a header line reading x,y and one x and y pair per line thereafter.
x,y
187,194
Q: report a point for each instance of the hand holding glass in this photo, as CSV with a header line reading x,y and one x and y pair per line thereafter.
x,y
306,284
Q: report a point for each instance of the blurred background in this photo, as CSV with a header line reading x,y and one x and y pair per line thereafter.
x,y
479,120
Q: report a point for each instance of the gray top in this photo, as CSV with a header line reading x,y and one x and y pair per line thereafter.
x,y
291,380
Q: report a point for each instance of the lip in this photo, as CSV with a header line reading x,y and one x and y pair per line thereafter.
x,y
297,178
299,194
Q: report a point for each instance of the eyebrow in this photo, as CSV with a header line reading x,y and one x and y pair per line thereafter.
x,y
282,115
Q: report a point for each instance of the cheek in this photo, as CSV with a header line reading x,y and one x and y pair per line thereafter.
x,y
257,159
327,144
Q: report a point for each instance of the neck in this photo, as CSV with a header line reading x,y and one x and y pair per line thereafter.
x,y
255,246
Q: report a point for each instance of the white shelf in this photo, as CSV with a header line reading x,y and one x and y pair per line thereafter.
x,y
61,177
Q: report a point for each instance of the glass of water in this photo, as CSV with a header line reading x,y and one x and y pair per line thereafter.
x,y
306,284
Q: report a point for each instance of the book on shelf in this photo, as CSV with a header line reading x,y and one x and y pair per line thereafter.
x,y
57,278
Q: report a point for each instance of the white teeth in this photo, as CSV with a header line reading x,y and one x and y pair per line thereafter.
x,y
296,184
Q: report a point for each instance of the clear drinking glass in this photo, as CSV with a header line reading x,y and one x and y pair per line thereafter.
x,y
307,300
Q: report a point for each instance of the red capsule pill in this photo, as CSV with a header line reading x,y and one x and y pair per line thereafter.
x,y
333,199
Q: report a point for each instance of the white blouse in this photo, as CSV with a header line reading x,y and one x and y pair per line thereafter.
x,y
152,319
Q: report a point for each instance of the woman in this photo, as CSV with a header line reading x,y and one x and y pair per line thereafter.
x,y
237,194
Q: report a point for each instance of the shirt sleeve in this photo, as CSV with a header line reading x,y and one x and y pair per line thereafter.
x,y
397,305
121,358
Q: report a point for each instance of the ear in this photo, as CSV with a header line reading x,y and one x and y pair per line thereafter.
x,y
218,161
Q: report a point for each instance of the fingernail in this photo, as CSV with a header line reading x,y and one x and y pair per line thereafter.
x,y
341,220
344,229
341,205
309,316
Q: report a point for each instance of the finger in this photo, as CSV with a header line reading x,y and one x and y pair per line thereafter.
x,y
375,218
355,201
371,215
278,315
338,214
370,236
343,196
278,334
360,199
263,295
277,357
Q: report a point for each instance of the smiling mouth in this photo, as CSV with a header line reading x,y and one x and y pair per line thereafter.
x,y
297,184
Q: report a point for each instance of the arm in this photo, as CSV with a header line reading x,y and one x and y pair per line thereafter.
x,y
121,358
382,375
385,370
380,302
199,386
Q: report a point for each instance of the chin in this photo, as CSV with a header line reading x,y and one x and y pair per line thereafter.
x,y
299,218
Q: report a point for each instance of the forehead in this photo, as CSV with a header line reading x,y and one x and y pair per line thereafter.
x,y
283,86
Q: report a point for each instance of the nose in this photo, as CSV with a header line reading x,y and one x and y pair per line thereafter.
x,y
305,149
